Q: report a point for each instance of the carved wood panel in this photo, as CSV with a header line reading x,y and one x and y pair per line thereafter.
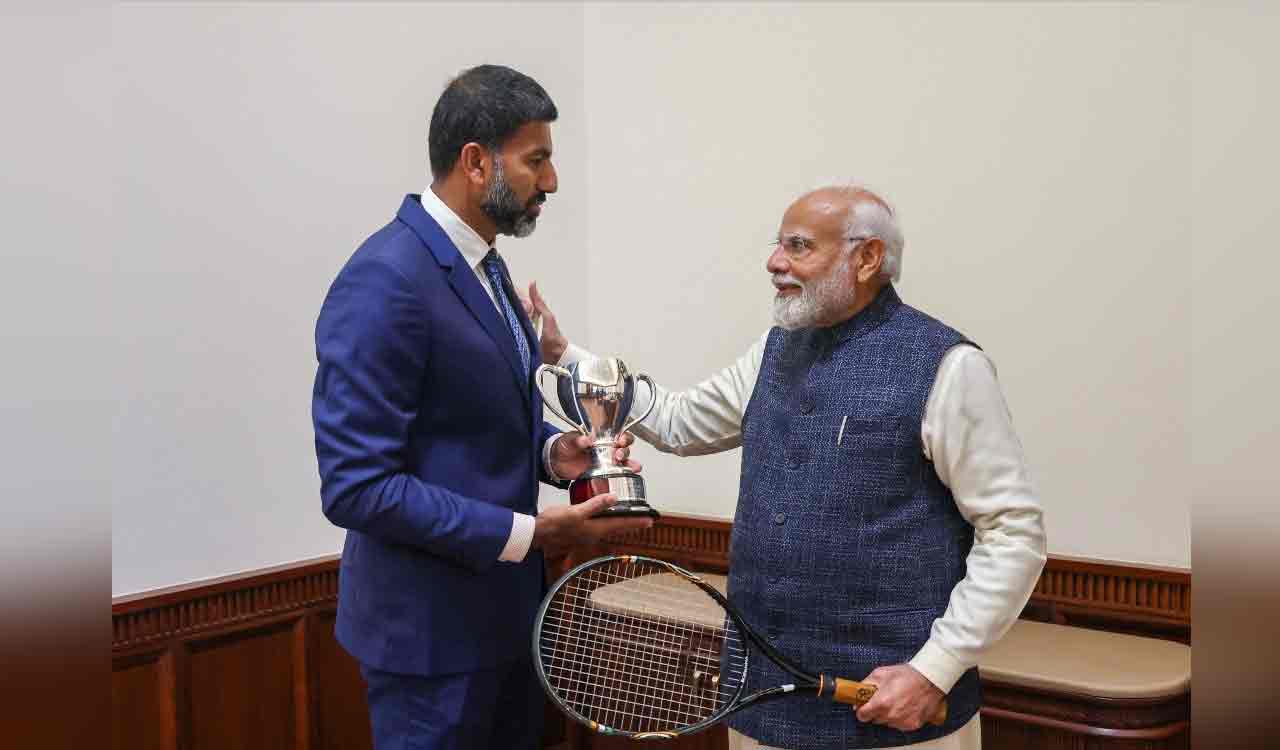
x,y
142,702
250,660
337,691
241,690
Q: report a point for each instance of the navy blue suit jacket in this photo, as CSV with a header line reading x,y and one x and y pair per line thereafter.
x,y
427,440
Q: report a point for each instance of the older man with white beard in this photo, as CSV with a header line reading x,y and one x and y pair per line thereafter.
x,y
886,527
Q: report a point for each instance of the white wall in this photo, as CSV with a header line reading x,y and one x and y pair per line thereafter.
x,y
1037,154
1038,157
259,146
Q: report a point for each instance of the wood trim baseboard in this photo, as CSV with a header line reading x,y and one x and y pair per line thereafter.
x,y
243,599
1148,734
1115,596
1119,597
257,626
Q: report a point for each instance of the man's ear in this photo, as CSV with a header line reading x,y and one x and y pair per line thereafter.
x,y
476,163
872,252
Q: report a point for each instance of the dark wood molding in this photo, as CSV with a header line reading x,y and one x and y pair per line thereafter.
x,y
1113,596
1118,597
189,609
1069,589
194,664
1105,715
245,661
1155,733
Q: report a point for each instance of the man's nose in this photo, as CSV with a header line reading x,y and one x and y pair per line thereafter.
x,y
548,181
777,262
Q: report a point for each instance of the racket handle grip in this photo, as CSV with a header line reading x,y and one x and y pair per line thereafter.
x,y
856,693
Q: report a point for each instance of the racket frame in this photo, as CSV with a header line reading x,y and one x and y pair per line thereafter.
x,y
804,680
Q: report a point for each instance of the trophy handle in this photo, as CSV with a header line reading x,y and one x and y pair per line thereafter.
x,y
558,372
653,400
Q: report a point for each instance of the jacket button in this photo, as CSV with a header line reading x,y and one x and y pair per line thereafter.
x,y
779,518
773,579
806,407
793,462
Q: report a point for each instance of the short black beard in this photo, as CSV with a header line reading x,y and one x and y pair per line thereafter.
x,y
502,205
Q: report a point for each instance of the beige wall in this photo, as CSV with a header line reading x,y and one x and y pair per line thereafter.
x,y
1038,155
259,145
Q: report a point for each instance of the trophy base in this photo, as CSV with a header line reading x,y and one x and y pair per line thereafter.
x,y
627,487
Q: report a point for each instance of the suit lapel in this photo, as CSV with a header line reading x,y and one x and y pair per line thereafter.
x,y
462,278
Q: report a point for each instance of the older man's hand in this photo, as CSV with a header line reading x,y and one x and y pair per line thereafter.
x,y
904,698
553,342
571,454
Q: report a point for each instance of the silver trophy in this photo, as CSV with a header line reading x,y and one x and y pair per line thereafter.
x,y
596,396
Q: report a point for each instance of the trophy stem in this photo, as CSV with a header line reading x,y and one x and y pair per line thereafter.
x,y
602,456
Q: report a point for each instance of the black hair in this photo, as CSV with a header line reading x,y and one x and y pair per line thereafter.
x,y
485,105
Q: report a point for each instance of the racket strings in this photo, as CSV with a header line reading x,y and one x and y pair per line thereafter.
x,y
653,655
634,647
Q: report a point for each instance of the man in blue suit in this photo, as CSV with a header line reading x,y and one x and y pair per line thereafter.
x,y
430,437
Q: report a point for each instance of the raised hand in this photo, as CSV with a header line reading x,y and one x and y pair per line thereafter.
x,y
553,342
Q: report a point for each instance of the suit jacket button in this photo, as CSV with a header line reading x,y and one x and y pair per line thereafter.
x,y
779,518
806,407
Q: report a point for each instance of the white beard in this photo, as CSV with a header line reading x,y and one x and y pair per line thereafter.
x,y
817,300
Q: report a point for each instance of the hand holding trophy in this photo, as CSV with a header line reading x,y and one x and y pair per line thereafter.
x,y
599,392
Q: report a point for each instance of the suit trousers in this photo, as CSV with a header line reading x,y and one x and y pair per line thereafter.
x,y
493,708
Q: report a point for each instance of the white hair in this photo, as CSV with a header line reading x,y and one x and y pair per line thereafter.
x,y
872,216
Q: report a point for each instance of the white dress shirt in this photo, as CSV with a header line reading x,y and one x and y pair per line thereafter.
x,y
474,249
968,434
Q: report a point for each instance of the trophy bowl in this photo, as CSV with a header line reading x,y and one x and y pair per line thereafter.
x,y
596,395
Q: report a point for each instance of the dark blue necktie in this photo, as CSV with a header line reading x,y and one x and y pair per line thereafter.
x,y
499,281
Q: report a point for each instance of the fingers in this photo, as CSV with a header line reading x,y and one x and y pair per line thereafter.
x,y
894,703
526,303
873,711
623,453
611,526
535,297
591,506
876,709
582,443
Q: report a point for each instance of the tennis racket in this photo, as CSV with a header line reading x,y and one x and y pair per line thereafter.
x,y
636,647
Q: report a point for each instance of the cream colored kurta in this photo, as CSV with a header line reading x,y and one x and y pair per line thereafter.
x,y
968,434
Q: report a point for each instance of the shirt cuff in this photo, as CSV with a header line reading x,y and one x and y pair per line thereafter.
x,y
938,666
546,457
521,537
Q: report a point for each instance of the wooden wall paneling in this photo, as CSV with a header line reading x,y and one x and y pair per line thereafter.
x,y
250,660
1010,730
143,693
1143,600
1158,716
1140,600
304,729
339,705
241,692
